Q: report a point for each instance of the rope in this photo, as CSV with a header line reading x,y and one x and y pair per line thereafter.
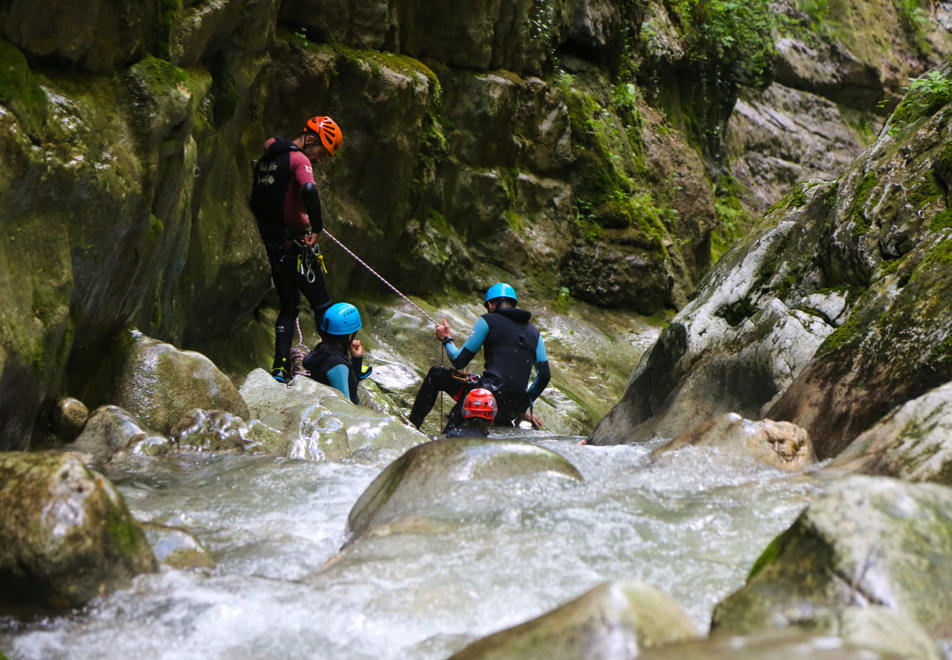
x,y
396,291
379,276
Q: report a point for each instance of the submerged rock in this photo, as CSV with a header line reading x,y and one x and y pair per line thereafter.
x,y
617,619
176,548
913,442
782,445
420,483
211,430
865,541
67,534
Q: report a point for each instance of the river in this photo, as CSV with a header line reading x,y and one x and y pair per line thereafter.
x,y
690,524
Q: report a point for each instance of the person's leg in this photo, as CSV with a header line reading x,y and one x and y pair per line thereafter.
x,y
284,325
438,379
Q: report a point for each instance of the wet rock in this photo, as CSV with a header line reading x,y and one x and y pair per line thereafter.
x,y
211,430
313,421
742,340
865,541
67,534
913,442
420,483
69,418
618,619
159,384
112,431
176,548
782,445
789,644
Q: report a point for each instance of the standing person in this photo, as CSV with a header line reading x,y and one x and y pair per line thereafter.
x,y
338,360
287,206
511,347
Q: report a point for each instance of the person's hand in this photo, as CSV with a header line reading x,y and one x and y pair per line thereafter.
x,y
444,331
310,239
535,421
356,350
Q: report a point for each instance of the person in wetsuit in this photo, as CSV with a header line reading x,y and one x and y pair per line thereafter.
x,y
287,206
511,345
337,360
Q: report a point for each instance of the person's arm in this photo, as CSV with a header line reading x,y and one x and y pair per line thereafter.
x,y
304,176
460,357
542,371
339,378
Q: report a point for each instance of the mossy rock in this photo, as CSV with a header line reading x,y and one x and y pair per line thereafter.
x,y
67,534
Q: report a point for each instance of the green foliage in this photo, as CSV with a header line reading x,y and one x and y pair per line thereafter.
x,y
734,35
927,94
913,20
564,301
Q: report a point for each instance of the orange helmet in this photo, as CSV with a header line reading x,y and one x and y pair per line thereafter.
x,y
479,403
328,130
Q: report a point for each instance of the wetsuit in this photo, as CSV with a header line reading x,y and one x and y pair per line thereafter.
x,y
333,365
286,205
511,347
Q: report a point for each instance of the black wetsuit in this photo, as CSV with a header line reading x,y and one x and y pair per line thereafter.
x,y
511,347
325,357
286,204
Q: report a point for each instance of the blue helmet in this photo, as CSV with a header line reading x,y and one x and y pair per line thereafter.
x,y
500,290
340,319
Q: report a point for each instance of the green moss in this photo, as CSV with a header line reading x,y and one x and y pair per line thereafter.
x,y
770,553
855,213
167,17
19,89
941,220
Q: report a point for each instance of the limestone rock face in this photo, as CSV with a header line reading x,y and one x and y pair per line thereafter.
x,y
866,541
782,445
67,534
420,483
619,619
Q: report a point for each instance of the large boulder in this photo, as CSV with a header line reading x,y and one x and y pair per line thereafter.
x,y
159,384
913,442
865,541
422,482
781,445
67,534
618,619
310,420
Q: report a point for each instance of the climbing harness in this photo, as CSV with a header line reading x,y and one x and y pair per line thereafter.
x,y
309,259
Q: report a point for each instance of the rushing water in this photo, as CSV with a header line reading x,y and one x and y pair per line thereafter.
x,y
691,524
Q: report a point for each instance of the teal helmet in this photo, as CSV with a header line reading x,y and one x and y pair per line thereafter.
x,y
340,319
500,290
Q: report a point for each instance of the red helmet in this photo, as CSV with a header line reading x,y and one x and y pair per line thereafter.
x,y
328,131
479,403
